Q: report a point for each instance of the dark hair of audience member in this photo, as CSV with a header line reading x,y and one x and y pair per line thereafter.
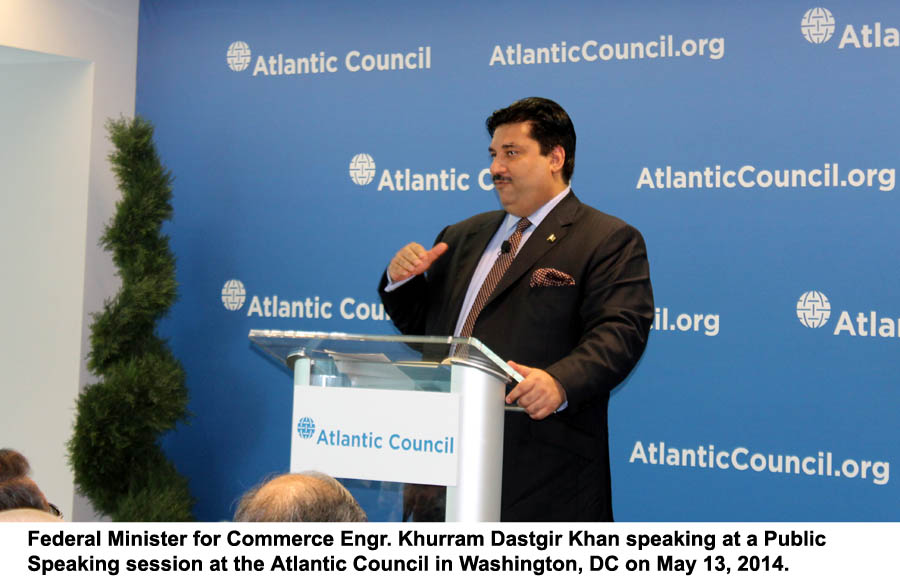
x,y
12,464
17,490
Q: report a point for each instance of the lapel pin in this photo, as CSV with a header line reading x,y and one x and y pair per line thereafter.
x,y
551,238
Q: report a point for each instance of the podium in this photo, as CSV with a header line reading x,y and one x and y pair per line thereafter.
x,y
418,410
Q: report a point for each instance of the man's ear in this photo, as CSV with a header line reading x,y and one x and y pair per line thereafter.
x,y
557,158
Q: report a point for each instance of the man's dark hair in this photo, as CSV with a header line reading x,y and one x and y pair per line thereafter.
x,y
299,497
550,126
22,492
17,490
12,464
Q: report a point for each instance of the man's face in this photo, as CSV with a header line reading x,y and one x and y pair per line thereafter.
x,y
524,178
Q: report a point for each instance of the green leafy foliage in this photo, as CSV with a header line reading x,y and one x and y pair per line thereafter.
x,y
141,394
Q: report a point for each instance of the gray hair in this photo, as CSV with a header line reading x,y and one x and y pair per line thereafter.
x,y
299,497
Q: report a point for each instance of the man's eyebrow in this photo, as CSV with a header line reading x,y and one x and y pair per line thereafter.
x,y
502,146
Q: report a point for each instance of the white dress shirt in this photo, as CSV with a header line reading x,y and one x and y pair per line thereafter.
x,y
503,233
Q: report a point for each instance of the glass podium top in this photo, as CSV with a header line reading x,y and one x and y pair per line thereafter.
x,y
425,359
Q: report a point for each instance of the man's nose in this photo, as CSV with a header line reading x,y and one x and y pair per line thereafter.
x,y
497,168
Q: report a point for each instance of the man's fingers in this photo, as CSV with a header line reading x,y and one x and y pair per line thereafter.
x,y
519,390
539,394
523,370
522,387
412,254
413,259
541,414
399,269
535,404
407,261
426,259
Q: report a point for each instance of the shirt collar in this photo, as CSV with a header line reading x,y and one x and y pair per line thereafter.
x,y
538,216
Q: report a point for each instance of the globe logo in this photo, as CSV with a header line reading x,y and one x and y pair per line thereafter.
x,y
362,169
238,56
233,295
817,25
813,309
306,428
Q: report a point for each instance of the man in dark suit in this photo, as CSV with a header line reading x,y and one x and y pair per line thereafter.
x,y
570,308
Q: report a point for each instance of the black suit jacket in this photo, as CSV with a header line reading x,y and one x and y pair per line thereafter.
x,y
588,336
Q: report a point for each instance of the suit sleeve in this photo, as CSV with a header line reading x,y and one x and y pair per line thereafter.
x,y
616,313
408,305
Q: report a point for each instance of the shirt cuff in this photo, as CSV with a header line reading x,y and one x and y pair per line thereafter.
x,y
391,285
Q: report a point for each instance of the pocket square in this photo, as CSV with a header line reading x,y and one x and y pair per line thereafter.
x,y
550,277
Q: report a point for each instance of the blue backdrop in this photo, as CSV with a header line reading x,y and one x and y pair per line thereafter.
x,y
753,144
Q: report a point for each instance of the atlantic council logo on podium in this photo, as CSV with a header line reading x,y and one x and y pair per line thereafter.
x,y
362,169
238,56
306,427
817,25
813,309
233,295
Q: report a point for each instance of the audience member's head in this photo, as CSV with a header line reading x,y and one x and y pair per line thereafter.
x,y
12,464
22,492
299,497
17,490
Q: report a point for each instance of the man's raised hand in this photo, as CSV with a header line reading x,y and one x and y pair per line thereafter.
x,y
413,259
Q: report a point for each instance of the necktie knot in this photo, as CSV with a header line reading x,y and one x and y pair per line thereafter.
x,y
523,225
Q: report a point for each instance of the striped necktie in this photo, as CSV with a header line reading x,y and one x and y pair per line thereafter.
x,y
493,278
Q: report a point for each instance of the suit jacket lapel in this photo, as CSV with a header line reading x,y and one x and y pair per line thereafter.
x,y
557,223
470,252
